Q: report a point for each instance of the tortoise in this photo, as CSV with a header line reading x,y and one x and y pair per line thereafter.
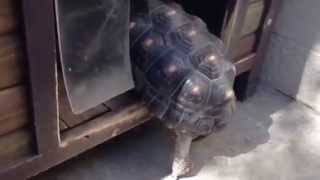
x,y
183,73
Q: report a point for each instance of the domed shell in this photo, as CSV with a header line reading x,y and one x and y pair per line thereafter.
x,y
187,80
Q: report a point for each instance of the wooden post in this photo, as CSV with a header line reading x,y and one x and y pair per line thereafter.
x,y
232,37
41,49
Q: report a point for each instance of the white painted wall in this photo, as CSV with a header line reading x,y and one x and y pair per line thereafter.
x,y
293,57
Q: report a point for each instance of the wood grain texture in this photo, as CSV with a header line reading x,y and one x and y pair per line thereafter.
x,y
127,113
8,6
14,147
62,125
41,48
9,16
8,24
12,100
234,24
9,43
253,17
13,122
13,109
12,64
243,47
245,64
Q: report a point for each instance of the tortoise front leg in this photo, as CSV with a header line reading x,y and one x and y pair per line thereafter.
x,y
181,162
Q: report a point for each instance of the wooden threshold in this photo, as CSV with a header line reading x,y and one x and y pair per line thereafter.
x,y
66,115
245,64
129,114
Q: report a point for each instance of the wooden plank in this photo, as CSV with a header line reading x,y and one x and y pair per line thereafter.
x,y
12,100
253,17
244,21
245,64
13,109
12,64
62,125
8,23
13,122
66,114
12,71
129,112
9,15
232,28
9,44
14,147
72,119
39,26
8,6
243,47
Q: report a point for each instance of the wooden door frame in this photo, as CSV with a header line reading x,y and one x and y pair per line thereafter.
x,y
252,64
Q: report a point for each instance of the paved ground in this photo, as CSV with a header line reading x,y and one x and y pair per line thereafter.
x,y
271,138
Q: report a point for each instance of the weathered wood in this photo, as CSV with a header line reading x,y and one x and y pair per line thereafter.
x,y
122,117
13,109
71,119
41,46
253,17
11,71
12,100
13,122
244,47
245,64
12,64
9,44
8,24
245,20
74,146
8,6
233,26
9,15
62,125
14,147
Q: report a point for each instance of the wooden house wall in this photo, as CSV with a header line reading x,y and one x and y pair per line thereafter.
x,y
15,124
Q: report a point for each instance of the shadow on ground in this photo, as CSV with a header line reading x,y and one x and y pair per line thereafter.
x,y
265,140
248,129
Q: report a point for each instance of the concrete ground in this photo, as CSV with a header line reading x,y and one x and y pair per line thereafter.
x,y
271,138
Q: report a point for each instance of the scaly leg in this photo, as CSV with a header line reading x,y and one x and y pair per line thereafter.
x,y
181,162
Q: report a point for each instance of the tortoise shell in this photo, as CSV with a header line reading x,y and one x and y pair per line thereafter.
x,y
182,69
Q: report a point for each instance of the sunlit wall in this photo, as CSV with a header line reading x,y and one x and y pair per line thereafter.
x,y
292,63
